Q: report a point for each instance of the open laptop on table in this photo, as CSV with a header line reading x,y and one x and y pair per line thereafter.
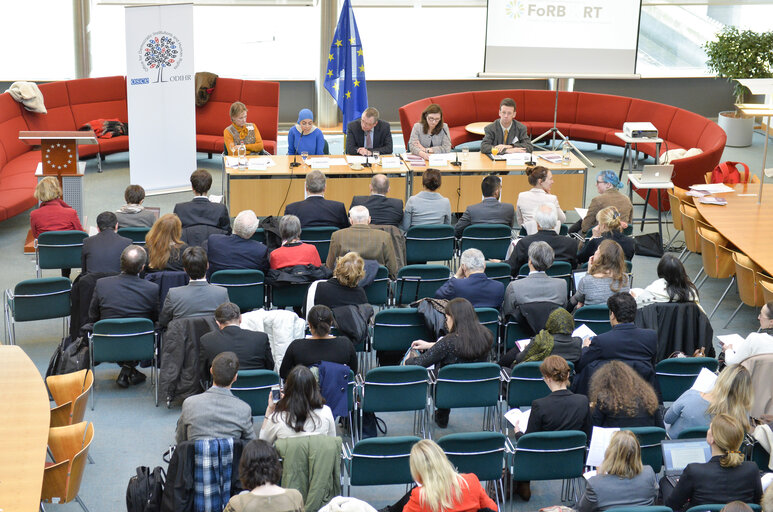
x,y
677,453
655,174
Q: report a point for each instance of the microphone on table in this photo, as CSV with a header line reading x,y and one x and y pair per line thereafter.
x,y
294,163
455,163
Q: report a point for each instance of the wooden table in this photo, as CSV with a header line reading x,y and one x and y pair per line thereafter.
x,y
744,222
23,431
477,128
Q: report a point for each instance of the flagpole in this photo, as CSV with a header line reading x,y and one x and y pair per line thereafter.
x,y
325,109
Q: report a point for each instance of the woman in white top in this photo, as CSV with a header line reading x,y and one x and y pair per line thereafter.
x,y
672,284
300,411
431,135
541,179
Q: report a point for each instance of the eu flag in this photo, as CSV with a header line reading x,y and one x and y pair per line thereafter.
x,y
345,75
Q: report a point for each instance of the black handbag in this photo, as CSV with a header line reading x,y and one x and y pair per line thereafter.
x,y
649,244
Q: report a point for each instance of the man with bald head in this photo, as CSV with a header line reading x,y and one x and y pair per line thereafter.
x,y
383,210
369,243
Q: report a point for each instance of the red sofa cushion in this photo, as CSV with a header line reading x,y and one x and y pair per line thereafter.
x,y
11,123
262,101
97,98
214,117
487,103
59,116
114,145
456,108
602,110
410,115
541,105
591,133
459,135
686,129
14,201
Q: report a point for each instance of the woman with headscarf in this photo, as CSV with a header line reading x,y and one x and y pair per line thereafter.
x,y
305,137
555,339
608,186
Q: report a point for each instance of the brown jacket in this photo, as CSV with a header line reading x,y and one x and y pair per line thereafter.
x,y
370,244
611,197
761,369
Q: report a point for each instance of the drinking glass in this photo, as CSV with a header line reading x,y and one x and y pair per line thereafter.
x,y
465,154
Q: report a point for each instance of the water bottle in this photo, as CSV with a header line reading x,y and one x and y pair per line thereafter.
x,y
242,153
566,159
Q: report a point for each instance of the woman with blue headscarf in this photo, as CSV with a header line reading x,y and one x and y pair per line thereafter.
x,y
608,186
304,136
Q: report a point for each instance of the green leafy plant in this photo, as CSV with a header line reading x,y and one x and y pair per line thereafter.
x,y
740,54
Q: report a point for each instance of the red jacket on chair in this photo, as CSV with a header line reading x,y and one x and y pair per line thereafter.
x,y
54,215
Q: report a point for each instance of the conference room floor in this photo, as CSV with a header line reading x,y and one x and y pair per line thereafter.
x,y
130,431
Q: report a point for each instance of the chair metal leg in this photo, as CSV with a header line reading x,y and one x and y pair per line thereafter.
x,y
705,278
724,294
700,273
671,241
686,254
733,315
80,502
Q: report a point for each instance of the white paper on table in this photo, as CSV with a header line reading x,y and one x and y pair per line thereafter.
x,y
254,165
319,163
732,339
705,380
390,162
553,158
589,474
231,161
697,193
522,344
518,418
517,158
719,201
337,161
599,440
357,159
583,331
261,160
713,188
438,160
215,199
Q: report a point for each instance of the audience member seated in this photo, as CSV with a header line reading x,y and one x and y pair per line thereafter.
x,y
126,296
635,346
321,346
241,132
607,275
293,251
200,211
431,134
541,180
767,500
731,395
252,348
304,137
237,250
619,397
760,342
724,478
564,247
467,341
537,286
384,211
216,413
370,244
102,252
471,283
608,186
164,244
608,228
133,214
488,211
198,297
672,285
621,480
260,472
342,288
506,135
300,412
555,339
368,134
428,206
315,210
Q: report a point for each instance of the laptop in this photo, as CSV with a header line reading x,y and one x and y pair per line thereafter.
x,y
677,453
655,174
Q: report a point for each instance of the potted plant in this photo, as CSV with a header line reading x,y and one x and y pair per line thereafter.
x,y
739,54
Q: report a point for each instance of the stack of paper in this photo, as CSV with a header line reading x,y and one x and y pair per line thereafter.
x,y
414,160
713,200
553,158
599,440
583,331
705,380
713,188
518,418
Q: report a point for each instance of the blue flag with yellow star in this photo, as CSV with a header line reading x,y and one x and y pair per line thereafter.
x,y
345,75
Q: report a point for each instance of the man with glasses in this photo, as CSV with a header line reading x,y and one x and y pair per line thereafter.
x,y
368,134
506,135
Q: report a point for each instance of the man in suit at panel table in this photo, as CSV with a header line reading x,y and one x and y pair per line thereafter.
x,y
216,413
564,247
506,134
200,210
237,250
315,210
471,283
537,286
368,134
102,252
198,297
488,211
369,243
383,210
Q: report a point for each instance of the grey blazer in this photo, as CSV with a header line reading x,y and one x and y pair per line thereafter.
x,y
488,211
441,143
426,208
536,287
194,299
493,135
215,413
607,491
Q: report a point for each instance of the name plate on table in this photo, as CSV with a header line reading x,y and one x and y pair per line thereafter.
x,y
253,164
438,160
319,163
517,158
390,162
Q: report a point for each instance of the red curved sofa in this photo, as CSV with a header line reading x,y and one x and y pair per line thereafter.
x,y
584,116
73,103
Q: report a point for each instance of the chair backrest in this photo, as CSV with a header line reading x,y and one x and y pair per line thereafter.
x,y
596,317
550,455
430,242
246,288
254,386
319,237
559,269
717,507
760,367
467,385
491,239
526,385
382,461
259,236
415,282
38,299
514,332
677,374
70,392
136,234
675,203
717,258
480,453
59,249
498,271
489,318
69,446
378,290
746,277
123,339
649,441
395,388
693,432
691,217
293,295
396,329
766,282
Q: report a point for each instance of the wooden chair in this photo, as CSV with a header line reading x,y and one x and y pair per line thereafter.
x,y
677,196
717,259
69,448
71,393
691,219
766,282
749,290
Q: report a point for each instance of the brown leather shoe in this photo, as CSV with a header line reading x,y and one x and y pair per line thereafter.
x,y
523,489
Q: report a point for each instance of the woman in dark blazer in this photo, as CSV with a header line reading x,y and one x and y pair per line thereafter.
x,y
342,289
620,397
608,227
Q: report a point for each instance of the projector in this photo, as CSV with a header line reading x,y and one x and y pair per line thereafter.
x,y
640,130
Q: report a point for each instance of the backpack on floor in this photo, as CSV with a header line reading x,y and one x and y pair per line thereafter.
x,y
728,173
69,356
145,489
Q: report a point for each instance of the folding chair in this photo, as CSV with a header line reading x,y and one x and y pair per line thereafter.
x,y
492,240
498,271
37,299
292,295
253,387
378,461
70,392
319,237
393,389
395,329
677,374
136,234
430,242
58,250
246,288
465,385
416,282
69,447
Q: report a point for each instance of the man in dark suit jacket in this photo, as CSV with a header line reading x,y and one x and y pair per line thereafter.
x,y
564,247
625,342
488,211
126,296
102,252
368,134
471,283
237,250
383,210
506,134
315,210
200,211
251,347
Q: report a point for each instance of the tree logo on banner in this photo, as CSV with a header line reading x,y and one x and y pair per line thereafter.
x,y
160,51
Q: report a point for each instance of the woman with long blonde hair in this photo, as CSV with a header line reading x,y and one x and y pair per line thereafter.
x,y
609,227
606,275
164,244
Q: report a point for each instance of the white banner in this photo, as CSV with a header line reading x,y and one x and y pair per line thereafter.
x,y
160,96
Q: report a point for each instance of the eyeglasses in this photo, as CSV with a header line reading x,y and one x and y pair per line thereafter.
x,y
433,118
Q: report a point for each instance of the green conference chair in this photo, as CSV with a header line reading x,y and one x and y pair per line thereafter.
x,y
319,237
498,271
596,317
378,290
396,389
136,234
246,288
416,282
717,507
513,332
652,508
124,339
694,433
559,269
351,385
395,329
525,384
58,250
491,239
489,318
466,385
649,441
677,374
253,387
259,236
37,299
292,295
378,461
431,242
481,453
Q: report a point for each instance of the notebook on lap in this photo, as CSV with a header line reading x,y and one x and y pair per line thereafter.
x,y
677,453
